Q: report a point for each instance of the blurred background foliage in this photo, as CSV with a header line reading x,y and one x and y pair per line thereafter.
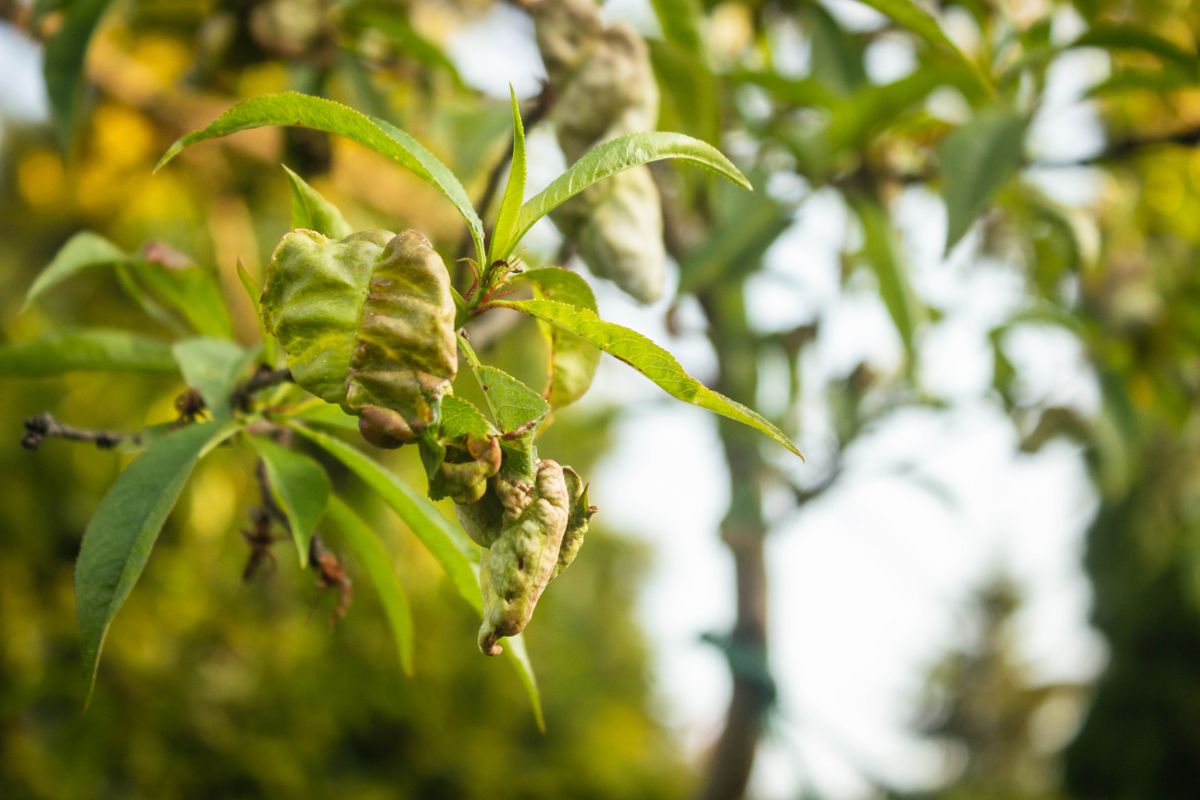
x,y
215,687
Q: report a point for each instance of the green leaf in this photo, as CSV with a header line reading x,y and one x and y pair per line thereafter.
x,y
681,22
879,247
837,54
736,245
213,366
375,559
461,418
190,289
860,116
92,349
123,531
311,210
82,251
300,488
649,359
1124,37
63,66
305,111
976,160
612,157
448,544
801,92
514,191
513,404
572,362
908,14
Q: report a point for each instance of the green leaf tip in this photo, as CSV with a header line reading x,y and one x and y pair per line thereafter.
x,y
649,359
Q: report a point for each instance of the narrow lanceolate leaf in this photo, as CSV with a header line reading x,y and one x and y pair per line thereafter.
x,y
305,111
572,362
212,366
976,160
376,561
445,541
63,66
612,157
82,252
879,248
95,350
121,535
908,14
311,210
514,192
513,404
458,556
649,359
192,291
681,22
1124,37
300,488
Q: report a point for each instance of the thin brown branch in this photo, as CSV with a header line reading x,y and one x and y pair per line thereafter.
x,y
45,426
262,379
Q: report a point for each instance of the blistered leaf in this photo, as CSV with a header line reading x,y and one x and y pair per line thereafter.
x,y
375,559
572,362
94,349
123,531
614,156
649,359
311,210
306,111
299,486
976,160
367,322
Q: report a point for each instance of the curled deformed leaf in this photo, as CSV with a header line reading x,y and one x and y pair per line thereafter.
x,y
524,557
367,322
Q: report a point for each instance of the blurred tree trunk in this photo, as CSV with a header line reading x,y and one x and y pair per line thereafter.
x,y
743,531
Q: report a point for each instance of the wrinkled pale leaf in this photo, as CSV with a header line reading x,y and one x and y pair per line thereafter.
x,y
514,191
614,156
94,349
213,366
306,111
572,362
311,210
649,359
976,160
377,562
367,322
123,531
299,487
